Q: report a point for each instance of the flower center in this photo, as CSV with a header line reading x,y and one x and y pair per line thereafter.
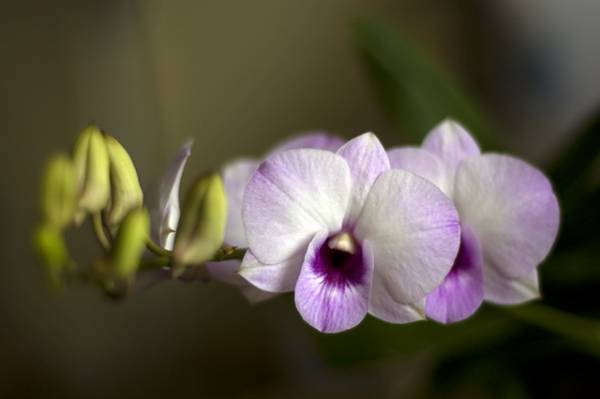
x,y
340,260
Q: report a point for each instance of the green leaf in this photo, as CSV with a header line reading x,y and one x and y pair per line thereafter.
x,y
581,332
415,91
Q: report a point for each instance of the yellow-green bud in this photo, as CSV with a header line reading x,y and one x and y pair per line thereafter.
x,y
92,168
129,244
202,225
59,191
126,193
52,250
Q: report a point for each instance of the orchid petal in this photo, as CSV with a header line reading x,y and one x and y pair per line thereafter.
x,y
505,291
169,211
383,305
292,196
228,272
450,141
280,277
367,159
414,232
236,175
461,292
255,296
330,299
422,163
512,209
316,140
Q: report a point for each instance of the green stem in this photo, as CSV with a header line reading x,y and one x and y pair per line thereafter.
x,y
100,232
157,249
583,332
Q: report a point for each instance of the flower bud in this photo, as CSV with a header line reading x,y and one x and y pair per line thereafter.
x,y
92,168
125,193
129,244
52,250
202,225
59,191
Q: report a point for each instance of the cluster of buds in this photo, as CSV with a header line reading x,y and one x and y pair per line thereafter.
x,y
99,182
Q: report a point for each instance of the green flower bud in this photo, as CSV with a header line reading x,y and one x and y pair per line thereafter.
x,y
126,193
92,168
59,191
202,225
52,250
129,244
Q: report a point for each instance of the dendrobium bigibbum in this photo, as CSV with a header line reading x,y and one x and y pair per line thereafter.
x,y
509,217
407,234
235,175
349,235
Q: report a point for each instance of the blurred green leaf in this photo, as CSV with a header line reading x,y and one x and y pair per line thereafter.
x,y
415,91
581,332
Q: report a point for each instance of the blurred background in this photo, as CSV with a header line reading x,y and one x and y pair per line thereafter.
x,y
238,77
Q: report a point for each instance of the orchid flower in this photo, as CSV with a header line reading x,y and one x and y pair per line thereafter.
x,y
347,234
509,218
235,177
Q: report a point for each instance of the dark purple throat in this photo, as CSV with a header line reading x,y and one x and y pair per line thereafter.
x,y
340,261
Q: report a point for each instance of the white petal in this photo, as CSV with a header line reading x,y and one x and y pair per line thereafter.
x,y
236,175
383,305
414,232
318,140
451,142
506,291
255,296
280,277
169,211
422,163
511,208
367,159
292,196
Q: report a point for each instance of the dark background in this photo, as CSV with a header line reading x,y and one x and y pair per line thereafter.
x,y
238,76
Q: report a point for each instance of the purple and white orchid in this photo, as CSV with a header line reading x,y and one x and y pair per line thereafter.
x,y
349,235
509,218
235,175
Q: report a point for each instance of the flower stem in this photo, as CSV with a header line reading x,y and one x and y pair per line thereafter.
x,y
99,231
157,249
583,332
